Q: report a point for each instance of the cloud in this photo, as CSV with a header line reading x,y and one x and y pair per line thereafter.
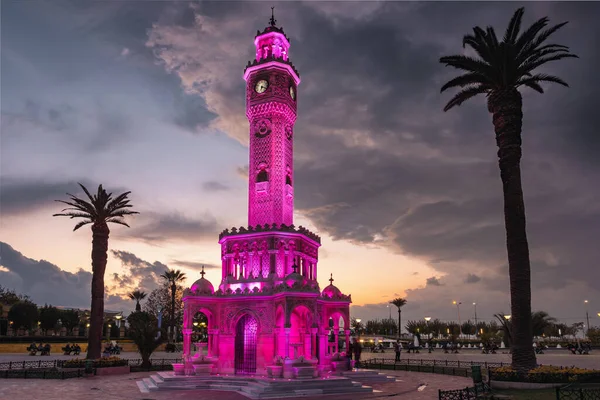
x,y
433,281
137,273
46,283
195,265
124,52
155,228
472,278
214,186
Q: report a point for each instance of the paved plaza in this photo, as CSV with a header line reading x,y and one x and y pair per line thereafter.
x,y
121,387
560,357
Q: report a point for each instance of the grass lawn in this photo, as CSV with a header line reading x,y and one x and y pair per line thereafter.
x,y
543,394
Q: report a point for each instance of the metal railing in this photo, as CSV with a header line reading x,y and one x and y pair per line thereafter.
x,y
458,394
577,393
388,362
54,364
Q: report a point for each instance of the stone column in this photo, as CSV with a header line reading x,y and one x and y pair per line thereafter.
x,y
287,341
347,332
215,343
187,341
313,342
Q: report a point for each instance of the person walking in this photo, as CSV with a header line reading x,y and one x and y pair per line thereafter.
x,y
398,348
357,350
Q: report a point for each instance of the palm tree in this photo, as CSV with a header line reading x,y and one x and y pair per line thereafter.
x,y
399,302
138,296
173,277
503,67
101,209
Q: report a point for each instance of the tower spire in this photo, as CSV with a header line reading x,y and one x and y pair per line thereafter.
x,y
331,279
272,21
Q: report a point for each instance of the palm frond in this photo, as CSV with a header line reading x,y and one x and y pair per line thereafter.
x,y
118,221
467,64
82,223
465,80
529,35
542,78
465,95
86,192
531,65
512,31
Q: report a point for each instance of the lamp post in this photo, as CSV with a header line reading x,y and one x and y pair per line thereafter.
x,y
390,317
358,326
475,307
427,319
587,317
457,304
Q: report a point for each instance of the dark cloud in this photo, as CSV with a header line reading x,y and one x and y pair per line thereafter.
x,y
195,265
472,278
155,228
214,186
242,171
138,274
19,196
45,282
433,281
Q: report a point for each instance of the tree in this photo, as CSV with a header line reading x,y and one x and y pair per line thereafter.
x,y
173,277
144,331
98,211
48,317
69,319
503,67
10,297
23,314
399,302
541,321
137,295
159,298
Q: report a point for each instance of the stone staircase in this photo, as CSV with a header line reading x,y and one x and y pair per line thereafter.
x,y
257,387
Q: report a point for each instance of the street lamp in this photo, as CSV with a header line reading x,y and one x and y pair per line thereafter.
x,y
475,306
195,323
587,317
358,326
457,304
507,317
427,319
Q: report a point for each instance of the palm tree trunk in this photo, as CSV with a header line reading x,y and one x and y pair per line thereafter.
x,y
399,323
138,308
173,288
506,107
100,234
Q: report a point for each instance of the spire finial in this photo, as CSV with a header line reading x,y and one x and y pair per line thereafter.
x,y
272,21
202,272
331,279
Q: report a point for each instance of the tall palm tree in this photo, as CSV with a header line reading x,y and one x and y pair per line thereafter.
x,y
501,68
399,302
173,277
101,209
138,296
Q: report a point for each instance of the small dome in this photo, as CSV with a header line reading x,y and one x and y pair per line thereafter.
x,y
293,278
202,285
331,291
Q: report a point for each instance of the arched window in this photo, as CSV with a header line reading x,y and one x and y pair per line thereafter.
x,y
262,176
288,180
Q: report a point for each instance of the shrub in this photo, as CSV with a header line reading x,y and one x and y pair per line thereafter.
x,y
547,374
98,363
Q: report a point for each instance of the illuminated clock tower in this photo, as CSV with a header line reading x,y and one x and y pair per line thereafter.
x,y
271,94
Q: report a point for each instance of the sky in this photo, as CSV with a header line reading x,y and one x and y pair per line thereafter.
x,y
149,97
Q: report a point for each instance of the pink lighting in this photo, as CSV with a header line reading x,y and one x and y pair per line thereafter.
x,y
268,309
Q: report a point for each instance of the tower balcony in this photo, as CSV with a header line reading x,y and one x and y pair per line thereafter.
x,y
270,228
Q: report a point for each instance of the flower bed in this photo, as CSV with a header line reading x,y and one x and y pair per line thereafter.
x,y
99,363
546,374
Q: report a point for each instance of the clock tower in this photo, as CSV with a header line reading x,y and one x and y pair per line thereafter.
x,y
271,95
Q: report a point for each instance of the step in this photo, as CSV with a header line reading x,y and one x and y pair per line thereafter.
x,y
142,387
150,384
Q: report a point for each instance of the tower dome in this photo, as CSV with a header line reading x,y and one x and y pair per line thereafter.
x,y
202,285
331,291
294,277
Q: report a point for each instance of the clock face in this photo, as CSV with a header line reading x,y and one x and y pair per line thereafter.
x,y
261,86
292,93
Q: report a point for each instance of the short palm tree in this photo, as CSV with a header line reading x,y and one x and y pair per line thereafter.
x,y
501,69
101,209
138,296
399,302
173,277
